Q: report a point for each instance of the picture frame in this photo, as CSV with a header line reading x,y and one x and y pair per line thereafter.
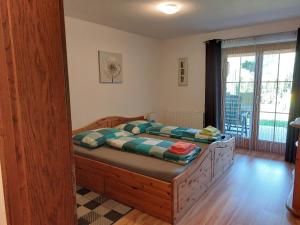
x,y
183,71
110,67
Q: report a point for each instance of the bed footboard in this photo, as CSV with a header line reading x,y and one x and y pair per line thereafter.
x,y
223,156
191,185
188,187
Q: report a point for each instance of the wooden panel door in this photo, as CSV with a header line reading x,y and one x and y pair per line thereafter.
x,y
35,129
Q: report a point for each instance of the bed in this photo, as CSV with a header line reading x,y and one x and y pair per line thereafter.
x,y
161,189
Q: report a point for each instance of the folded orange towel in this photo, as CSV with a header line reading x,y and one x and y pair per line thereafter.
x,y
182,148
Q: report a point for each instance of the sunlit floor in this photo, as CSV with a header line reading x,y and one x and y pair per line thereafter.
x,y
254,191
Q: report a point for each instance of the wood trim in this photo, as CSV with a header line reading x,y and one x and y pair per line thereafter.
x,y
111,121
35,146
11,194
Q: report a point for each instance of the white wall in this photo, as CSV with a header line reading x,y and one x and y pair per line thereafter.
x,y
2,206
150,71
192,98
91,100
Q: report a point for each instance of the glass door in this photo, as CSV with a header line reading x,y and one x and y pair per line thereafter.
x,y
275,95
239,94
256,101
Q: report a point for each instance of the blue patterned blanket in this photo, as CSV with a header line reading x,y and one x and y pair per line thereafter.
x,y
152,147
181,133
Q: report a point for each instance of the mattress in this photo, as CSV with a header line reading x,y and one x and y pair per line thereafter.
x,y
141,164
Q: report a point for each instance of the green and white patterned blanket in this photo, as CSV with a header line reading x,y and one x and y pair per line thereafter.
x,y
96,138
152,147
189,134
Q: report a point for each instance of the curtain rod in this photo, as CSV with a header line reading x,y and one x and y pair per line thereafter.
x,y
274,38
262,35
254,37
217,40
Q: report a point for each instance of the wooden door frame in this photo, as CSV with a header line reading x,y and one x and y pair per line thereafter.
x,y
35,125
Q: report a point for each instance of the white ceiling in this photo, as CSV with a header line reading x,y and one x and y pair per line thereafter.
x,y
196,16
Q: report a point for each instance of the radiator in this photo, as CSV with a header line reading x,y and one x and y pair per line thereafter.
x,y
179,118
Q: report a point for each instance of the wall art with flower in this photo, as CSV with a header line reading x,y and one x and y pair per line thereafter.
x,y
110,67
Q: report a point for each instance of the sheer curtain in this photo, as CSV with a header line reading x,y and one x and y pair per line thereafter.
x,y
256,87
238,93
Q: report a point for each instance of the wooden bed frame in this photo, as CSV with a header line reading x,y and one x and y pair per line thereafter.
x,y
167,201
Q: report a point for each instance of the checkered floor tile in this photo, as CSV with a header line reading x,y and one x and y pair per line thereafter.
x,y
95,209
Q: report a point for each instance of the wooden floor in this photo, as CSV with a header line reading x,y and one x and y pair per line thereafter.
x,y
254,191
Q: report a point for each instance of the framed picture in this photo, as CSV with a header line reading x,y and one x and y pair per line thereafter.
x,y
183,72
110,67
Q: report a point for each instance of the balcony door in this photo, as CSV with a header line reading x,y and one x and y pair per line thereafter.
x,y
256,100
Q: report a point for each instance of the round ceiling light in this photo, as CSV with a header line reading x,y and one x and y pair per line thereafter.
x,y
168,8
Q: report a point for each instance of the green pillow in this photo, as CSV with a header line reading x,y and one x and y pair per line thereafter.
x,y
96,138
135,127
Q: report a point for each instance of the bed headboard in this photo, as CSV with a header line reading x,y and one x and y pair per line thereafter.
x,y
111,121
